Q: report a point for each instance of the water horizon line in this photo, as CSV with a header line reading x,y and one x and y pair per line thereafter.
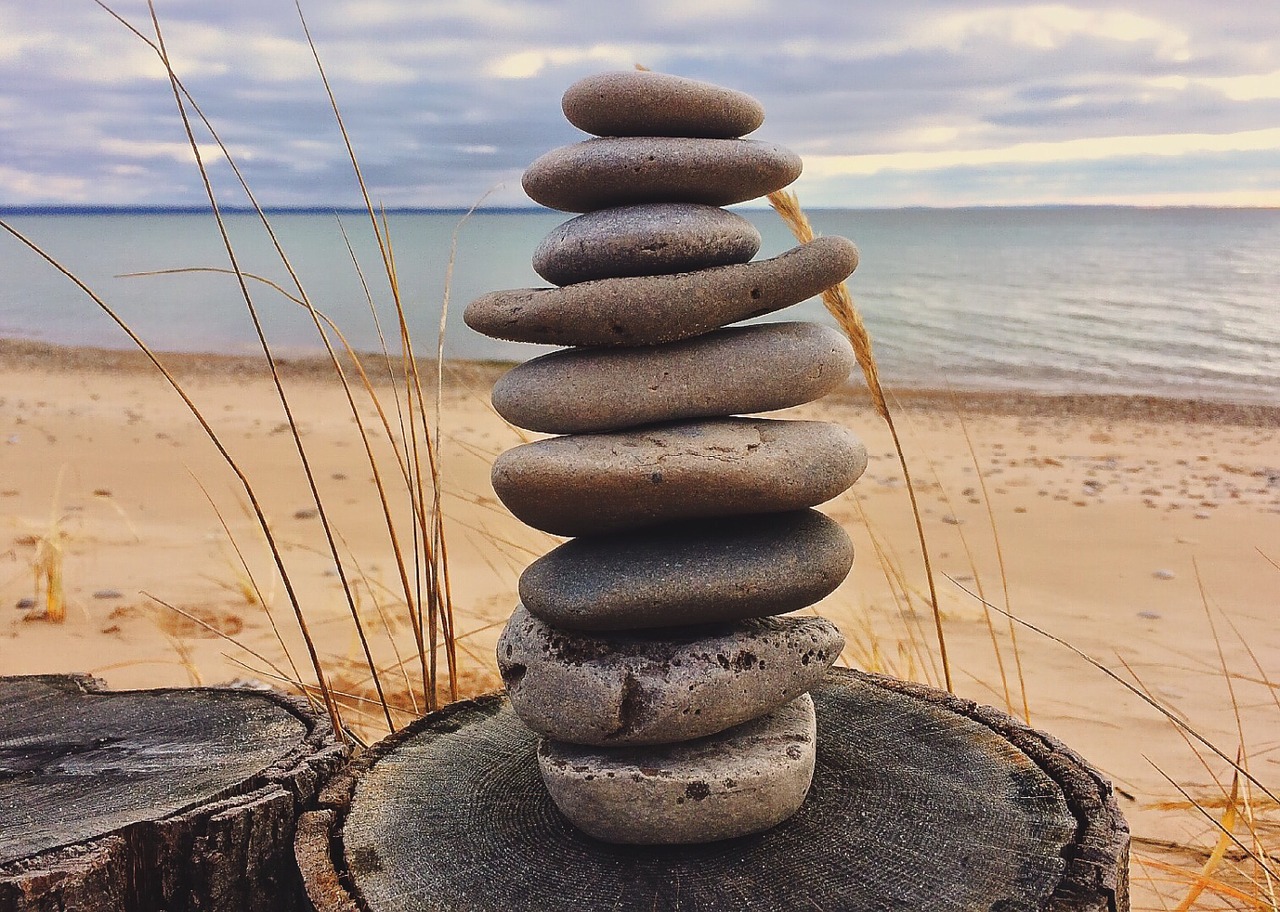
x,y
166,209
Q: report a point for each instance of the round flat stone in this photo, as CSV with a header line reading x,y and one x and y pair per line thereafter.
x,y
647,310
735,371
741,781
587,484
661,686
692,573
645,240
644,103
600,173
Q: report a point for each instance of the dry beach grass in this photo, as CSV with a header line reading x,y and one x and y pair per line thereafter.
x,y
326,525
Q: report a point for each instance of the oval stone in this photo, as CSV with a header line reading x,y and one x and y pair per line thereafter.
x,y
644,103
600,173
741,781
655,688
588,484
644,240
647,310
734,371
694,573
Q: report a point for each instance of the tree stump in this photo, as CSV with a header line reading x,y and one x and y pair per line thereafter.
x,y
920,801
155,799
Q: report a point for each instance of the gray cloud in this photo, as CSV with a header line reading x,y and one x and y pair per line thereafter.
x,y
445,100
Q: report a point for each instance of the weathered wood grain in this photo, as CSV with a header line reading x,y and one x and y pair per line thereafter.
x,y
920,801
161,799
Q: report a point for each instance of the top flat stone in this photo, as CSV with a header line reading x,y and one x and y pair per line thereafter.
x,y
644,103
601,173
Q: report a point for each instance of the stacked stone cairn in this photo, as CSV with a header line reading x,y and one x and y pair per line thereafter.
x,y
647,652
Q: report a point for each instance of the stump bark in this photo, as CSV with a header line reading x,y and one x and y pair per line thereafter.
x,y
921,801
157,799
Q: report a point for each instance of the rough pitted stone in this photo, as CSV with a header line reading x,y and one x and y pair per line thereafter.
x,y
693,573
741,781
734,371
644,103
645,240
632,688
600,173
647,310
588,484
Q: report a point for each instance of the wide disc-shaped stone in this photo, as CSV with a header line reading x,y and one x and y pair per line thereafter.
x,y
740,781
661,686
692,573
587,484
600,173
728,372
653,239
646,310
644,103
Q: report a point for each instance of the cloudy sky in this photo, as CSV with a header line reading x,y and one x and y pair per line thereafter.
x,y
936,102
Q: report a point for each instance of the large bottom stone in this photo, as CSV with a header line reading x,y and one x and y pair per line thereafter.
x,y
741,781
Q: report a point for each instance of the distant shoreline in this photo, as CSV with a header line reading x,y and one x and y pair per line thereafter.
x,y
24,355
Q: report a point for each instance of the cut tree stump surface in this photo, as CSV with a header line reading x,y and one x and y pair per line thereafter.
x,y
142,800
921,801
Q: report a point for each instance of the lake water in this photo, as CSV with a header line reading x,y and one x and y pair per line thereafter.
x,y
1176,302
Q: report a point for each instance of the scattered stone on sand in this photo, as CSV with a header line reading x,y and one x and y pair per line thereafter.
x,y
699,572
773,366
646,310
741,781
662,686
644,103
107,594
1163,574
600,173
644,240
589,484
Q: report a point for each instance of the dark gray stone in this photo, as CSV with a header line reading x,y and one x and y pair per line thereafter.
x,y
659,686
644,103
647,310
698,572
600,173
587,484
644,240
741,781
736,371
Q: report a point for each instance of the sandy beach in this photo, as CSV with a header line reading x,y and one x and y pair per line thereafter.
x,y
1144,533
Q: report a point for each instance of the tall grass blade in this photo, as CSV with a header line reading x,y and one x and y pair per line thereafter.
x,y
840,304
